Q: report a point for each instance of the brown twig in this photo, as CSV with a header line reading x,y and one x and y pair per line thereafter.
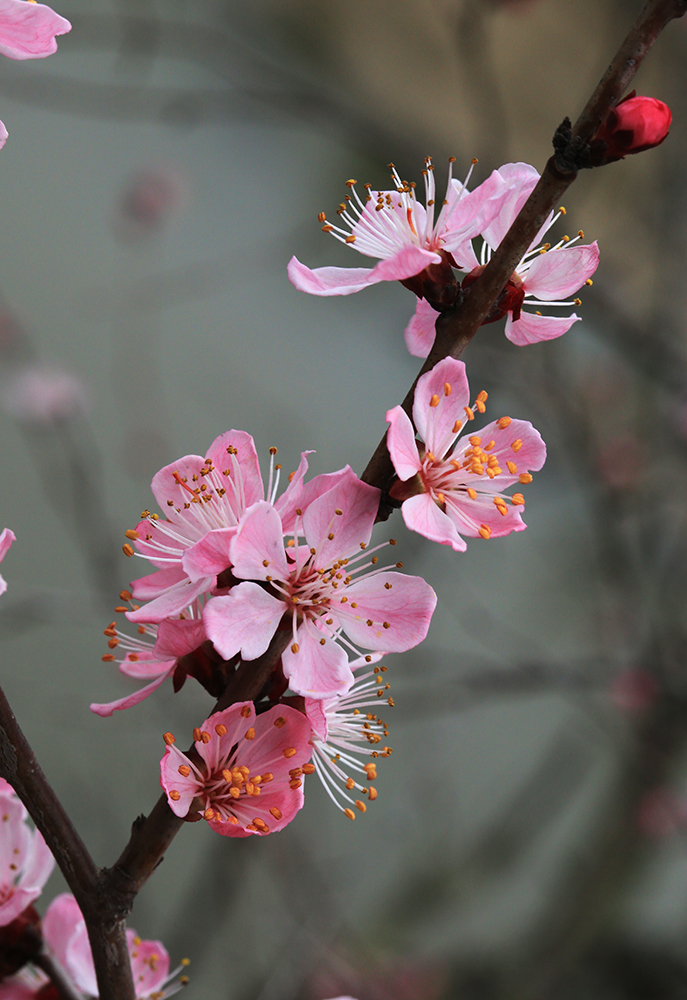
x,y
19,766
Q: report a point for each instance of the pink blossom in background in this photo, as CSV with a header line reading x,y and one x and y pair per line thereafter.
x,y
454,490
36,395
394,227
545,276
25,861
660,813
634,691
326,587
7,536
345,728
64,930
28,30
149,199
249,776
152,654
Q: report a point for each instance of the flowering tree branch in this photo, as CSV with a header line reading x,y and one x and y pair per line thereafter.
x,y
456,327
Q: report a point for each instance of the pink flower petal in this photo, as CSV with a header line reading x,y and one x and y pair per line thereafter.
x,y
27,31
185,786
177,637
173,602
529,457
435,423
400,440
147,588
347,511
531,328
422,514
7,536
145,666
105,709
257,549
251,488
421,330
520,180
242,621
316,670
149,964
469,515
406,262
304,494
559,273
209,556
407,608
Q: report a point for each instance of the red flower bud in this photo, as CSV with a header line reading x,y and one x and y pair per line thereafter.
x,y
633,125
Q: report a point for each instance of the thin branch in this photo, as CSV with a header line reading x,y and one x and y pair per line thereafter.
x,y
19,766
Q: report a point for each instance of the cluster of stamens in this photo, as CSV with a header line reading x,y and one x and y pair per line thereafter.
x,y
348,728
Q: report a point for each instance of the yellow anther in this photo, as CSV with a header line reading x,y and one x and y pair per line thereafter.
x,y
517,500
184,770
174,795
489,446
245,712
296,783
372,794
308,769
294,647
197,735
249,734
468,413
280,722
503,422
132,534
321,217
289,752
517,445
168,738
447,388
127,550
589,282
277,813
563,211
360,806
475,441
472,493
220,729
434,401
512,468
349,813
485,531
524,478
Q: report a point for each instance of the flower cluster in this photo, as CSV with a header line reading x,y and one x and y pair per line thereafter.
x,y
394,226
238,568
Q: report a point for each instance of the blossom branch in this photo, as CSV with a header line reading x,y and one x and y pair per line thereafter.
x,y
152,835
456,327
18,765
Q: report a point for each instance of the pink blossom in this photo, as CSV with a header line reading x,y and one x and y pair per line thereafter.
x,y
325,587
203,500
152,655
394,227
634,690
28,30
453,491
64,930
36,395
7,536
546,276
343,729
25,861
245,776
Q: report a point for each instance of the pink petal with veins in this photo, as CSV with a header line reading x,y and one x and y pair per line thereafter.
x,y
400,440
27,31
405,263
531,328
406,606
421,330
317,670
559,273
435,424
422,514
244,620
